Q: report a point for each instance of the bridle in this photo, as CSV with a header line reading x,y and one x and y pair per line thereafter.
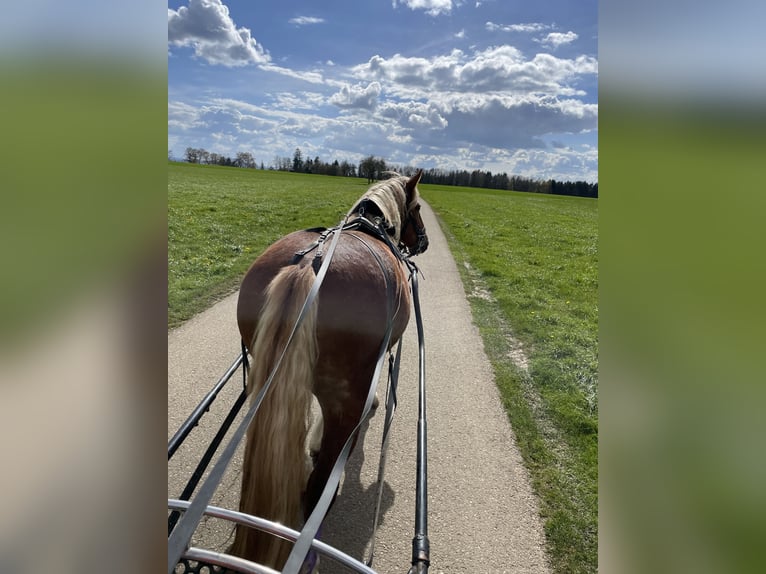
x,y
420,232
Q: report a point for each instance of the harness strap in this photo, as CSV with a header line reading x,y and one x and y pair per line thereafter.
x,y
362,223
324,232
393,378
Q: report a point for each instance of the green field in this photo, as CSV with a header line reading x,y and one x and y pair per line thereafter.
x,y
221,218
529,265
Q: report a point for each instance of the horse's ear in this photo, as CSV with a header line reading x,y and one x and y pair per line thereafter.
x,y
411,183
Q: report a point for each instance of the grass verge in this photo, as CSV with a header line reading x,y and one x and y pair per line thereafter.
x,y
529,267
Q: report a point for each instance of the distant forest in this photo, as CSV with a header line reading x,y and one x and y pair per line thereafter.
x,y
373,168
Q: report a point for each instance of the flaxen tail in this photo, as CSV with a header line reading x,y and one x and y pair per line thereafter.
x,y
274,469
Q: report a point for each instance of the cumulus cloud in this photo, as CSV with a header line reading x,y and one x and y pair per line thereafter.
x,y
509,122
305,20
502,68
431,7
206,26
556,39
357,96
415,115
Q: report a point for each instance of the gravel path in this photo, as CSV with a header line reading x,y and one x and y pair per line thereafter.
x,y
482,514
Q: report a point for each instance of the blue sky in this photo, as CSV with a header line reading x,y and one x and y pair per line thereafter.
x,y
491,84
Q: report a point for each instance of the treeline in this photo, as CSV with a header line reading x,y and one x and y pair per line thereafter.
x,y
199,155
298,164
373,168
487,179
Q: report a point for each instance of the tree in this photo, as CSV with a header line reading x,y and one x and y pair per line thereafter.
x,y
372,167
297,160
367,168
244,159
347,170
191,155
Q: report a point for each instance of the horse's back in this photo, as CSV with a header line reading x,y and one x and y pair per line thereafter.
x,y
364,286
253,288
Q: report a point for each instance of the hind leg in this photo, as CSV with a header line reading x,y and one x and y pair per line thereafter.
x,y
336,432
339,420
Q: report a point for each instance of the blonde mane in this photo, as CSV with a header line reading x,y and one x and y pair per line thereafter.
x,y
391,198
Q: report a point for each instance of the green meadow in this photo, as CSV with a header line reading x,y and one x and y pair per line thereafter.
x,y
529,266
221,218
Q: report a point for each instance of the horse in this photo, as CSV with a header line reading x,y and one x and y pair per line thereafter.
x,y
332,355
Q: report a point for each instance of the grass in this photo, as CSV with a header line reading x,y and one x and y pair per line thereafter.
x,y
529,266
221,218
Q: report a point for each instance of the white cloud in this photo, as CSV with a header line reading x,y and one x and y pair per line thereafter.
x,y
311,77
357,96
305,20
206,26
299,100
509,122
460,34
497,132
416,115
431,7
497,69
529,27
183,116
556,39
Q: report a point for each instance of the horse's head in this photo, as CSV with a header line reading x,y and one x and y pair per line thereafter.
x,y
413,235
394,204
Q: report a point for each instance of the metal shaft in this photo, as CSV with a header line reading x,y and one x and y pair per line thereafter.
x,y
420,543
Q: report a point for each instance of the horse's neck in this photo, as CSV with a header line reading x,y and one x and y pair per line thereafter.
x,y
389,209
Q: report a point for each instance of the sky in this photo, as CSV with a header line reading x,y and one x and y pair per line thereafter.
x,y
493,85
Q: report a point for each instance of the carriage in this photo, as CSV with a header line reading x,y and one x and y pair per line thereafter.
x,y
318,313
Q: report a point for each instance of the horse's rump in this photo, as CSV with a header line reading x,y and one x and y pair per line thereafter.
x,y
365,293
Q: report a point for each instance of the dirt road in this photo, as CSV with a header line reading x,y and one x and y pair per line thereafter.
x,y
482,514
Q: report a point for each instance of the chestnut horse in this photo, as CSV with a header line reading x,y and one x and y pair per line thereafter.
x,y
332,355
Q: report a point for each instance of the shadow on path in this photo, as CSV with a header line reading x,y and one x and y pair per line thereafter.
x,y
348,526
